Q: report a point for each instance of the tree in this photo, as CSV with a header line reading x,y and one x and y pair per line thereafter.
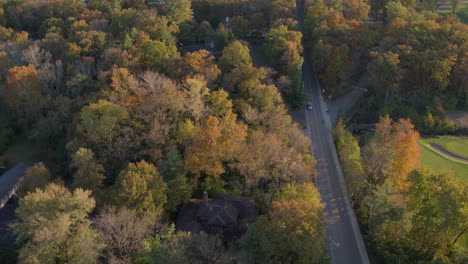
x,y
385,211
53,227
179,11
218,140
200,62
219,103
386,75
439,205
88,173
23,93
100,122
235,55
160,57
350,156
196,98
92,43
266,165
393,153
122,84
305,191
37,176
455,4
407,158
124,232
179,190
293,232
141,188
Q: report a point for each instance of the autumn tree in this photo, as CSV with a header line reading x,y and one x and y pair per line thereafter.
x,y
202,63
407,157
292,232
393,153
53,227
218,140
23,93
37,176
266,165
123,83
88,172
124,232
141,188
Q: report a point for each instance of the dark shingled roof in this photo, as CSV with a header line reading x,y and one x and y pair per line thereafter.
x,y
227,215
10,180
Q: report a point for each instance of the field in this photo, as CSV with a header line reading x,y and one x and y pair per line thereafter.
x,y
438,162
456,145
461,12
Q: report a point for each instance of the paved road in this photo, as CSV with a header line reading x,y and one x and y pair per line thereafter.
x,y
344,240
439,149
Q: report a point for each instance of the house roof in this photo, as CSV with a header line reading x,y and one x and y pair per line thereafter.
x,y
231,213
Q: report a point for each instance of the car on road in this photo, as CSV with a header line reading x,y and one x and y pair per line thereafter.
x,y
309,105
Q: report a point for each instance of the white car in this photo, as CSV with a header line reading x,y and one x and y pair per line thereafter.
x,y
309,105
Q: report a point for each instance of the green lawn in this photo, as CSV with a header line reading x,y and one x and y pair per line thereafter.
x,y
456,145
436,161
461,12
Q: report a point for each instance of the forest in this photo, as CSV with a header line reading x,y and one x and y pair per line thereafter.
x,y
135,123
136,107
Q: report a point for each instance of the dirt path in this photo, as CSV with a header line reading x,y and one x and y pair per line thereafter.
x,y
447,154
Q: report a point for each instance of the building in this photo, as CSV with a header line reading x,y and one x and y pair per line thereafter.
x,y
226,215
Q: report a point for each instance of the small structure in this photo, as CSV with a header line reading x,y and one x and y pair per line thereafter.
x,y
10,181
225,215
156,2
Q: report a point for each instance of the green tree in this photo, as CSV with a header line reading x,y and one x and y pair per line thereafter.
x,y
179,190
219,103
350,156
160,57
385,75
439,205
141,188
88,173
235,55
305,191
53,227
100,122
179,11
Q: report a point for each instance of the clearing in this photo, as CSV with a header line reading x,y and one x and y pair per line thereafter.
x,y
437,161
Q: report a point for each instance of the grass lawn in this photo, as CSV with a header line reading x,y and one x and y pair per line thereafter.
x,y
435,161
461,12
456,145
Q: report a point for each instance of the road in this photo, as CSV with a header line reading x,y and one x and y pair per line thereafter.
x,y
343,237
